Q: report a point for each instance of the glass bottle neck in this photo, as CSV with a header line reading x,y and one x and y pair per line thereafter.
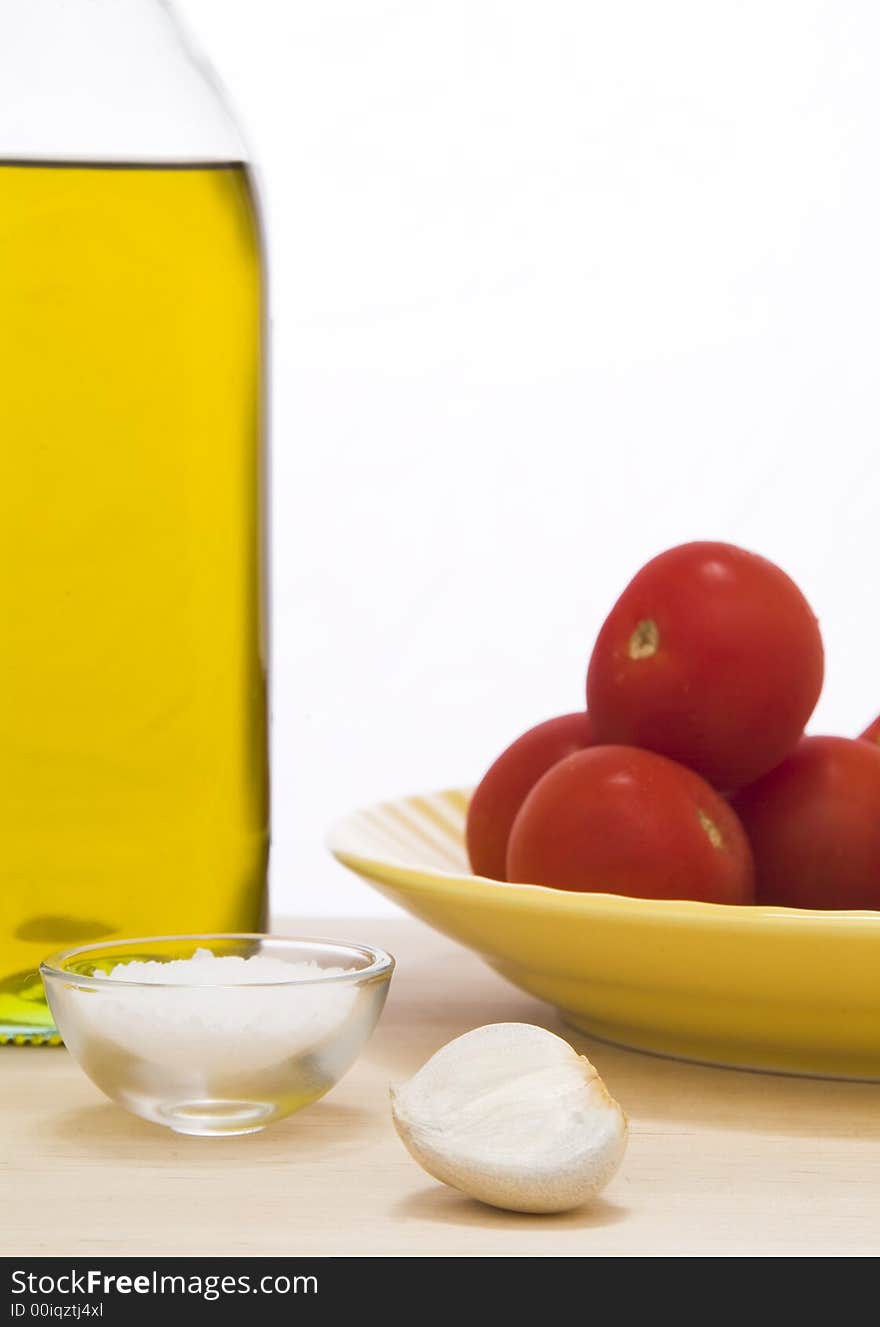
x,y
107,80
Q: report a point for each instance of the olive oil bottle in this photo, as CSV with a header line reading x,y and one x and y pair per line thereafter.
x,y
133,766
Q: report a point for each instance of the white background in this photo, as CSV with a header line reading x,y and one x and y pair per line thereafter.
x,y
555,284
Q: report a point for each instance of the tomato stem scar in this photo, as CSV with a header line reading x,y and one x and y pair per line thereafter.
x,y
713,833
645,639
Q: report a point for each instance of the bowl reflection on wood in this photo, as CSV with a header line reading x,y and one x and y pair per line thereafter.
x,y
783,989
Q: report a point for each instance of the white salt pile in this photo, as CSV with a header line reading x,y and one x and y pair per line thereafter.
x,y
217,1015
206,968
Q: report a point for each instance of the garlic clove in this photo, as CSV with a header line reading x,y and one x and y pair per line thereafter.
x,y
512,1115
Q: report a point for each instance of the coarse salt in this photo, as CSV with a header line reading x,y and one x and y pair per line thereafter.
x,y
206,968
217,1015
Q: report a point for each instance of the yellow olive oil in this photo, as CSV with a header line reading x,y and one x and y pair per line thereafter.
x,y
133,771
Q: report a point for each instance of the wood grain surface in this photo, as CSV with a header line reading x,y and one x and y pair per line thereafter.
x,y
719,1162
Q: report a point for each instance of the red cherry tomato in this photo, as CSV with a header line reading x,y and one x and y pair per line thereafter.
x,y
814,826
504,787
621,821
711,656
872,732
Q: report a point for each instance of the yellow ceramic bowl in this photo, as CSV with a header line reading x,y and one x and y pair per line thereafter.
x,y
785,989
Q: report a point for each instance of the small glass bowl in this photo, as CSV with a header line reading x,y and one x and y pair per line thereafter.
x,y
217,1059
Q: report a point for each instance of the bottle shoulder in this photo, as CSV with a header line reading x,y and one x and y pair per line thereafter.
x,y
88,80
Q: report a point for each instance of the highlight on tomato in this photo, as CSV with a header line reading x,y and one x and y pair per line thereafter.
x,y
711,656
617,820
